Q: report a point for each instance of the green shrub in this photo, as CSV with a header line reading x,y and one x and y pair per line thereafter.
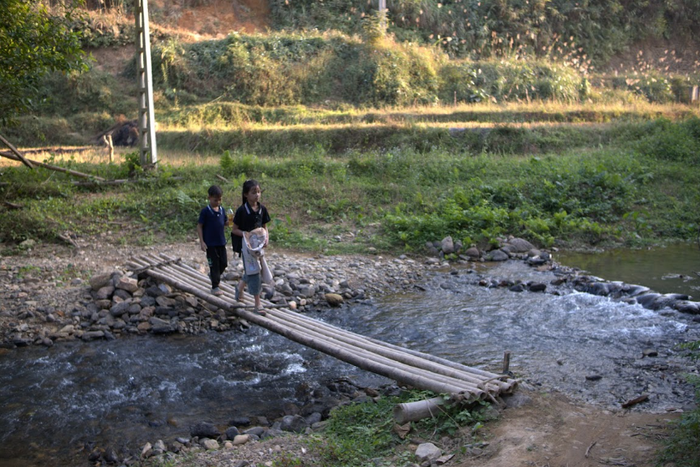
x,y
666,140
682,448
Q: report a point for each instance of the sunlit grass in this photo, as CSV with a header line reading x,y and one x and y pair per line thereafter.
x,y
199,117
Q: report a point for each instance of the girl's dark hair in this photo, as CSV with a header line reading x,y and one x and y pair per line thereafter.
x,y
247,186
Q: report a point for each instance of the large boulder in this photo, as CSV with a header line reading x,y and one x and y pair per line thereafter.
x,y
519,245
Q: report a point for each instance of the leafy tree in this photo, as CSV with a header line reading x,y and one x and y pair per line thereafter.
x,y
34,41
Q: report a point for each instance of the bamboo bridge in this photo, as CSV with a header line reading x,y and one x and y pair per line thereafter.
x,y
416,369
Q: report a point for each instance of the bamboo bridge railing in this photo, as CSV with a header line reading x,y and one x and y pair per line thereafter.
x,y
417,369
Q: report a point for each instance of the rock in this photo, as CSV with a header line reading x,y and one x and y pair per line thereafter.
x,y
447,245
110,456
160,326
255,431
154,291
293,423
100,280
599,288
165,301
239,421
307,291
147,300
119,309
519,245
442,460
497,255
241,439
663,301
210,444
537,287
685,306
92,335
127,283
647,299
473,252
204,430
334,299
104,292
231,432
313,418
634,290
428,451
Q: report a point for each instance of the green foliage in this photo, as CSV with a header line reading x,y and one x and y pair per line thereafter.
x,y
452,418
682,448
287,69
665,140
33,42
574,197
88,92
358,434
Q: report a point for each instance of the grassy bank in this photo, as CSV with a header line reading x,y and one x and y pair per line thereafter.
x,y
632,183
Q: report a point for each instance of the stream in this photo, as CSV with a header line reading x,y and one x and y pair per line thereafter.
x,y
56,402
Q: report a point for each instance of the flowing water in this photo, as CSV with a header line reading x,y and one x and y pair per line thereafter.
x,y
124,393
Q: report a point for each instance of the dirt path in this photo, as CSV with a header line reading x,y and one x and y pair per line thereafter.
x,y
550,430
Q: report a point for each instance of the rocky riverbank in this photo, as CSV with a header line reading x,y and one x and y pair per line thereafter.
x,y
49,301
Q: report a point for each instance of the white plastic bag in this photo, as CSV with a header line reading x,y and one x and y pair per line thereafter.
x,y
266,273
252,250
251,263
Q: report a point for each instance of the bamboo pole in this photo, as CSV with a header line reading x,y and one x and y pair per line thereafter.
x,y
508,385
356,341
16,152
52,167
418,410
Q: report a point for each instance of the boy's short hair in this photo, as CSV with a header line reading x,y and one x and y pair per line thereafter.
x,y
214,190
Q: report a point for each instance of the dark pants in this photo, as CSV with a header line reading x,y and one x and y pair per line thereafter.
x,y
216,256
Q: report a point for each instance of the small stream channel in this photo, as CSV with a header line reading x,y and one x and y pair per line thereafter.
x,y
124,393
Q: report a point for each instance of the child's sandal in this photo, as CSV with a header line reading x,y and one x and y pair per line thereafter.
x,y
260,311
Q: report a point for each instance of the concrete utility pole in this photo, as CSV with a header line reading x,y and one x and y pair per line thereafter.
x,y
382,13
147,119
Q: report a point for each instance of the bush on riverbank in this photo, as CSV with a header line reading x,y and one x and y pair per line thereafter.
x,y
682,448
357,434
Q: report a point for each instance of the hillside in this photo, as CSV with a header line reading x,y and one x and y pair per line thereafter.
x,y
214,18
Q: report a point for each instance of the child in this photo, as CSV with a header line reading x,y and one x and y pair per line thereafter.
x,y
249,216
212,240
